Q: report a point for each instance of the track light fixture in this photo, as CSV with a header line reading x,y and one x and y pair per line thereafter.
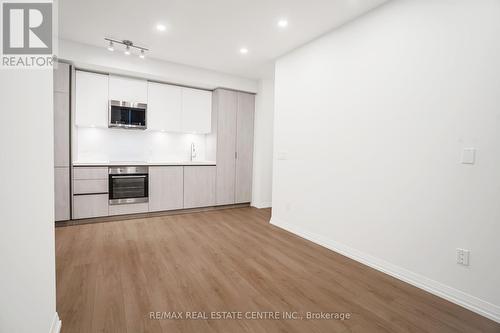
x,y
129,45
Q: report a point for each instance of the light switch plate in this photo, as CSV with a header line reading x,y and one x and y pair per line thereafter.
x,y
282,155
463,257
469,156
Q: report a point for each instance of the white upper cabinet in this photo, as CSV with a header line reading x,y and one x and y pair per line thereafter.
x,y
196,110
178,109
91,108
164,107
127,89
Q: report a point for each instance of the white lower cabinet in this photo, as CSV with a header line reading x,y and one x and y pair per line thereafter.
x,y
166,188
87,206
199,186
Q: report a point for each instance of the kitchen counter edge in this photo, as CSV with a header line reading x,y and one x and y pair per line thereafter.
x,y
111,164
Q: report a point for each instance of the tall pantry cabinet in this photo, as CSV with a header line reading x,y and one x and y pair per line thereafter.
x,y
233,117
62,142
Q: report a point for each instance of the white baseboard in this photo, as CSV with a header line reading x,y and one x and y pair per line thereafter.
x,y
470,302
261,205
56,324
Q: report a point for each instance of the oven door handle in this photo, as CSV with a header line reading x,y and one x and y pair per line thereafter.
x,y
119,176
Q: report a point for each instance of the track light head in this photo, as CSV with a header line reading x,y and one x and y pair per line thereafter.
x,y
129,45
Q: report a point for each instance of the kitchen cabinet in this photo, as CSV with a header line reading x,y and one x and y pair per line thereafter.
x,y
61,129
90,192
127,89
196,110
166,188
62,194
61,77
164,107
87,206
90,186
135,208
92,98
226,106
199,186
90,173
235,116
244,147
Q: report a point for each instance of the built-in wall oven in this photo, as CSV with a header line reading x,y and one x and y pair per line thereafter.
x,y
128,185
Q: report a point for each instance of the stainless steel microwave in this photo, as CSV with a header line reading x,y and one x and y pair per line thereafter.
x,y
127,115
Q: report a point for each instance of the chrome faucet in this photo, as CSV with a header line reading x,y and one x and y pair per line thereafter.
x,y
193,151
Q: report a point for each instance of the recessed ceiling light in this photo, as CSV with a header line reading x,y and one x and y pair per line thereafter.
x,y
127,50
243,50
161,27
111,47
142,55
282,23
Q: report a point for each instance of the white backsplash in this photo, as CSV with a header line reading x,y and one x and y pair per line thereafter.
x,y
104,144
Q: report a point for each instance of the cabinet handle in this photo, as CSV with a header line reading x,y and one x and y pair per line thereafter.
x,y
236,155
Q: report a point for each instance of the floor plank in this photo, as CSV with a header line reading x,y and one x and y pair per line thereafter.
x,y
111,275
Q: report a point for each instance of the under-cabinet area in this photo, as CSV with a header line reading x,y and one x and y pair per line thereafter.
x,y
126,145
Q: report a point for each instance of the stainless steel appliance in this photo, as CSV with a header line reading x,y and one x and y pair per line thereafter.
x,y
128,185
127,115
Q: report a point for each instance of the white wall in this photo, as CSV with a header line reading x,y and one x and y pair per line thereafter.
x,y
370,124
100,59
103,144
27,275
263,144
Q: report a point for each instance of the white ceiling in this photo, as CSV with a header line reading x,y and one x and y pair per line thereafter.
x,y
208,33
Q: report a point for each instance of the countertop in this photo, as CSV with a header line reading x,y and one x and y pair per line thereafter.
x,y
141,163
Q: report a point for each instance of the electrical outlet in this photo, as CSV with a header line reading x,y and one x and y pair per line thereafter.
x,y
469,156
463,257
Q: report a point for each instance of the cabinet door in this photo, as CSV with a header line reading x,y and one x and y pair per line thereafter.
x,y
128,209
61,129
166,188
199,186
164,107
127,89
90,186
90,173
227,105
61,77
87,206
61,194
91,99
196,110
244,147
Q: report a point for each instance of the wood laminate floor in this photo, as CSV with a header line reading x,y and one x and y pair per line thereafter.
x,y
111,275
